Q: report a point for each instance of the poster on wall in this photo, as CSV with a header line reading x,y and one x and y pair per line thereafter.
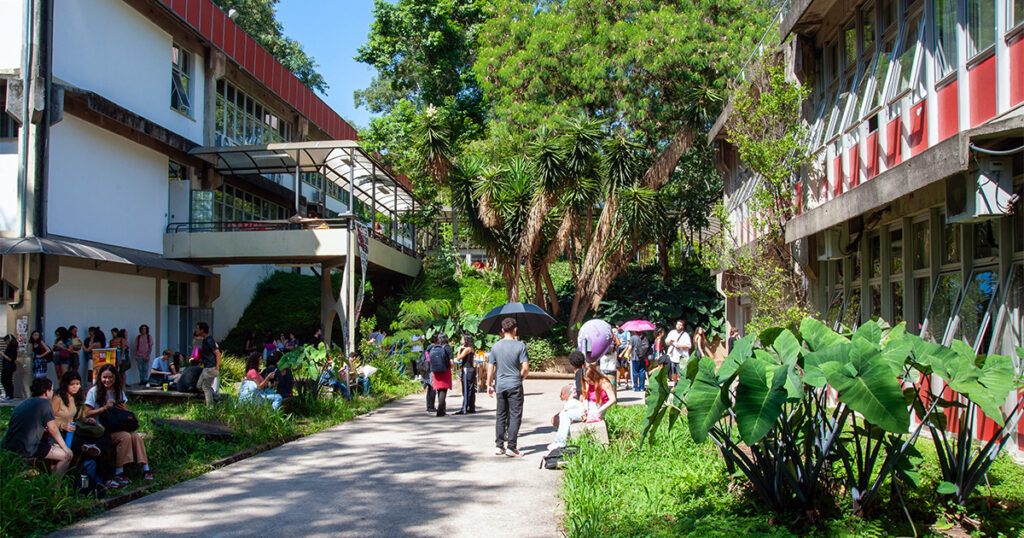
x,y
101,357
22,331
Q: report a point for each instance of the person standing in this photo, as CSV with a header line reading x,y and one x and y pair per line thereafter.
x,y
209,354
31,420
40,354
425,378
441,371
638,350
10,363
679,344
622,337
76,348
464,356
701,347
143,351
249,346
61,351
509,366
734,335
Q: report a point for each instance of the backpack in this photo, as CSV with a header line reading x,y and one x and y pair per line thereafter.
x,y
643,349
438,359
557,458
422,364
89,482
189,378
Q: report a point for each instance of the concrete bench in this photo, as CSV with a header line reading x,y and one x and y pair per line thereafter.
x,y
164,395
599,430
207,428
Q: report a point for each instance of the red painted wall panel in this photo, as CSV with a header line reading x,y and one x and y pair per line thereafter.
x,y
853,157
893,144
192,13
871,155
946,98
1020,427
952,413
837,168
1017,70
229,37
260,63
983,90
918,128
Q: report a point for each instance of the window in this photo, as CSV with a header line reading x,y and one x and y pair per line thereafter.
x,y
882,68
867,24
896,252
241,120
972,319
874,256
1016,12
945,32
181,80
922,256
922,294
177,293
986,240
981,26
850,46
889,13
8,127
946,292
175,171
906,68
951,244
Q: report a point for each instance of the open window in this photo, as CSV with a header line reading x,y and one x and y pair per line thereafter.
x,y
974,311
1008,329
905,69
940,310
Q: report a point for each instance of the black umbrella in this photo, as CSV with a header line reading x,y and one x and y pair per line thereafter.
x,y
531,319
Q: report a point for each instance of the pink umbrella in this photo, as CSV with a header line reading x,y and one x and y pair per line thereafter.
x,y
638,325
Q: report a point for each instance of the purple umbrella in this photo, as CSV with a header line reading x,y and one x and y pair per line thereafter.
x,y
638,325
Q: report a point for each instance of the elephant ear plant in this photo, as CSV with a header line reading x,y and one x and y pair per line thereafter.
x,y
802,415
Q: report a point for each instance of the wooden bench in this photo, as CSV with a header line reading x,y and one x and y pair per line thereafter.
x,y
599,430
160,394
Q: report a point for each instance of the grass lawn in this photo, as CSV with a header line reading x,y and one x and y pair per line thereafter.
x,y
31,506
677,487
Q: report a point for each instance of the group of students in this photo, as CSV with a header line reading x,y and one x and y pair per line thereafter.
x,y
437,376
59,426
632,356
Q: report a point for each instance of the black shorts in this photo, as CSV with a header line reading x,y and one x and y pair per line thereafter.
x,y
43,449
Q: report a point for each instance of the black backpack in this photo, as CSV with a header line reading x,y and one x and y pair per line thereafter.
x,y
643,348
557,458
439,358
89,482
422,364
189,378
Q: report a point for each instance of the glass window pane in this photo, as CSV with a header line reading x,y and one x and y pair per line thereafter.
x,y
944,297
895,251
951,243
868,26
876,300
1017,12
896,308
834,308
874,256
986,243
945,30
851,314
1009,334
881,72
981,25
922,259
922,294
981,289
850,46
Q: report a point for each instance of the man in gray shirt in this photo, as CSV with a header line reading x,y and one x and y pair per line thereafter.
x,y
508,367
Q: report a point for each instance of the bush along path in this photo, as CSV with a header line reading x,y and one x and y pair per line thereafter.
x,y
819,423
174,456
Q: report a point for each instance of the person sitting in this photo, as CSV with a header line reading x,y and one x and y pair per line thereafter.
x,y
572,411
256,386
598,394
32,431
66,405
129,448
363,372
162,369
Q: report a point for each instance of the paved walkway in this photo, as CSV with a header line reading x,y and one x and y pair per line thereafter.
x,y
394,472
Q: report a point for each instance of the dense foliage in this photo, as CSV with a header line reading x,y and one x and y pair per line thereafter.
x,y
786,411
282,302
641,293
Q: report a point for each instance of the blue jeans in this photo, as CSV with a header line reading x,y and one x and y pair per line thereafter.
x,y
639,375
143,366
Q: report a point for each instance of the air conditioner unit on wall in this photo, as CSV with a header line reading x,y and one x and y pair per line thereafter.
x,y
830,245
981,193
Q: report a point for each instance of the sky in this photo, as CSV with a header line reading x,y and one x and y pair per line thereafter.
x,y
331,31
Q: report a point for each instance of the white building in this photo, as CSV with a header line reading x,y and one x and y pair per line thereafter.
x,y
123,208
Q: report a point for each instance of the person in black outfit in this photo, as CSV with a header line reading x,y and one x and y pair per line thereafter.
x,y
9,359
464,355
426,381
734,335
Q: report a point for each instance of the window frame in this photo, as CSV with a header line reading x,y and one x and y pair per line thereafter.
x,y
181,80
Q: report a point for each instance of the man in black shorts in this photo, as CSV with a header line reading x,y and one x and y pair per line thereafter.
x,y
32,419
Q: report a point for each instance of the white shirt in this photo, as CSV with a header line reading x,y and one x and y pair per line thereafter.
x,y
676,341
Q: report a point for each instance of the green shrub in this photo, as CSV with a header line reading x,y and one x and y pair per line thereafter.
x,y
283,302
232,369
31,505
543,350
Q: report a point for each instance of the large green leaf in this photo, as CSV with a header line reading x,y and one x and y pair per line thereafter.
x,y
741,350
996,382
657,394
867,385
787,347
897,348
815,361
759,400
871,332
817,335
705,402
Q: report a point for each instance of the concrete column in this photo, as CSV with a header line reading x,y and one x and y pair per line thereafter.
x,y
216,65
347,289
328,303
909,292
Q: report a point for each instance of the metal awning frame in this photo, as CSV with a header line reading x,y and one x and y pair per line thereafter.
x,y
56,245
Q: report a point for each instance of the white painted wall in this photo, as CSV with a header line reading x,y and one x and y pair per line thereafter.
x,y
105,188
108,47
12,15
97,298
237,283
10,212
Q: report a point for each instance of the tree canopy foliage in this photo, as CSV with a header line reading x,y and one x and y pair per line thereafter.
x,y
259,20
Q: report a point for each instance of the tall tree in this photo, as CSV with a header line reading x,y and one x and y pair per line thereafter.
x,y
654,72
259,19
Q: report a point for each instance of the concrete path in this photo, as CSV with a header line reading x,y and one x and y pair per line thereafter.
x,y
397,471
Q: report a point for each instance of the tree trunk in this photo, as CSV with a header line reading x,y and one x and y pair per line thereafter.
x,y
666,274
552,295
604,261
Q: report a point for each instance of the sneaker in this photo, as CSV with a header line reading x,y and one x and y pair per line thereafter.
x,y
499,451
553,446
148,475
513,453
122,479
91,450
114,484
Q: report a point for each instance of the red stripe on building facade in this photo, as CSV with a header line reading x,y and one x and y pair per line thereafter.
x,y
946,101
983,90
918,129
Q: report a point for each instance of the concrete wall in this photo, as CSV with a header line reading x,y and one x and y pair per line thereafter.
x,y
97,298
105,188
108,47
12,13
237,284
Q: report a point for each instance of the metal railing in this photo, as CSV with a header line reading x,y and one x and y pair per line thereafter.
x,y
337,223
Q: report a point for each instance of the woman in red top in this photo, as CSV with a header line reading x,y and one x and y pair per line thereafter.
x,y
442,381
598,394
